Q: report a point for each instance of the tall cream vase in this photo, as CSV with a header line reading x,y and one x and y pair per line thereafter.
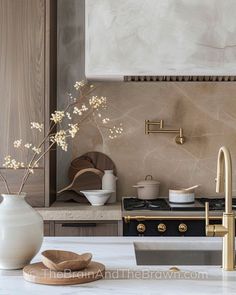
x,y
21,232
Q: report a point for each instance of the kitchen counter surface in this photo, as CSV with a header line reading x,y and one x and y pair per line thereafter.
x,y
77,211
69,211
122,274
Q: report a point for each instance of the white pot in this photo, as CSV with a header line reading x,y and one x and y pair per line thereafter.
x,y
181,196
148,189
21,232
109,183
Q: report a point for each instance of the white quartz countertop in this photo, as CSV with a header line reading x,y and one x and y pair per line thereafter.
x,y
78,211
123,276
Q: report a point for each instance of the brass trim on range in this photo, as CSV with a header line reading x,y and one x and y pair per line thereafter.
x,y
128,218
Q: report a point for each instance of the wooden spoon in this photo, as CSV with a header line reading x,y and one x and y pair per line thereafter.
x,y
191,187
61,260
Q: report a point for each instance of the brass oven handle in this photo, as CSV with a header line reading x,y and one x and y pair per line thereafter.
x,y
141,228
183,228
161,227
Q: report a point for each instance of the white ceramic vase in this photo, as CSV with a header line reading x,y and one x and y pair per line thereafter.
x,y
21,232
109,183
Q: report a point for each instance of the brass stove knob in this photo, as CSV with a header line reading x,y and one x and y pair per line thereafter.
x,y
161,227
141,228
183,228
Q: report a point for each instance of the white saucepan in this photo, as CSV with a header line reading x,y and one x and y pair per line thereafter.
x,y
148,189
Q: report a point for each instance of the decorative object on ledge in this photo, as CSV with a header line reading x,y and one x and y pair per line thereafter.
x,y
91,166
179,139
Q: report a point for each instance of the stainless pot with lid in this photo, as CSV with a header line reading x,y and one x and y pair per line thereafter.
x,y
148,189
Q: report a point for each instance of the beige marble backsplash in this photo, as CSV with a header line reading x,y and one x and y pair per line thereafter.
x,y
205,111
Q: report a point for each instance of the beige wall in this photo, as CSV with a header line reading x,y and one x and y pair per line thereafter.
x,y
206,112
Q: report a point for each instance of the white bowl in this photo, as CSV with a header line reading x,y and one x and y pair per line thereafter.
x,y
97,197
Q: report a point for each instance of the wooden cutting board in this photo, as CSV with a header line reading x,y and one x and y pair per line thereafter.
x,y
96,160
40,274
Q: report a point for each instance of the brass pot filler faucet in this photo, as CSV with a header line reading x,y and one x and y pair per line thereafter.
x,y
227,228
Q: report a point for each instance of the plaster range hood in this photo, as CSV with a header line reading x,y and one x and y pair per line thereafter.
x,y
156,40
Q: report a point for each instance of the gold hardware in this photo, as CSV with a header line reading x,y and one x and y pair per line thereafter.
x,y
227,228
179,139
128,218
183,228
161,227
141,228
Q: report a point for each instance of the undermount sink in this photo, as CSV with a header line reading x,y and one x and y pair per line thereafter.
x,y
188,253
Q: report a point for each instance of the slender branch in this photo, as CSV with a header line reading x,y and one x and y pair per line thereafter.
x,y
5,182
32,167
51,127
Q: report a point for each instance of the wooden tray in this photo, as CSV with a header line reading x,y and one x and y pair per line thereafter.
x,y
40,274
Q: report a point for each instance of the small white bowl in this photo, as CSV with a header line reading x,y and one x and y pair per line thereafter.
x,y
97,197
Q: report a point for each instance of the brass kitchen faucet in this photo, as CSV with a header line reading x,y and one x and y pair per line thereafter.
x,y
227,228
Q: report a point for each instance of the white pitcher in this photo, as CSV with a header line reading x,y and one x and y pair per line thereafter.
x,y
109,183
21,232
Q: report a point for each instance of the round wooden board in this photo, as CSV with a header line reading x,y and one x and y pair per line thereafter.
x,y
96,160
38,273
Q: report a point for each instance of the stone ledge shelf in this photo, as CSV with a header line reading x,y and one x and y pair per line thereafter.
x,y
75,211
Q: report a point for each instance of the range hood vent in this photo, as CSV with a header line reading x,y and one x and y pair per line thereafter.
x,y
179,78
157,40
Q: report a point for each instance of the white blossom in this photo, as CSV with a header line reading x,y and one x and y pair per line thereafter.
x,y
96,102
57,116
115,131
28,145
84,108
12,163
105,120
17,143
60,139
77,111
80,111
74,128
68,115
36,150
35,125
79,84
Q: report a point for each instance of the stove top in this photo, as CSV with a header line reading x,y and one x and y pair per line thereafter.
x,y
132,203
136,204
216,204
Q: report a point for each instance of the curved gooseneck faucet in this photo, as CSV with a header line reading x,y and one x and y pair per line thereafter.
x,y
227,228
224,176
